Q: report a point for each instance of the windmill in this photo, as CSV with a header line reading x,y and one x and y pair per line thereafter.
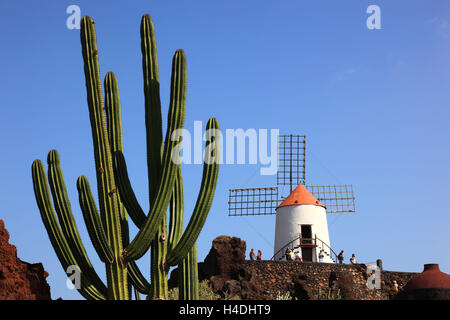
x,y
301,223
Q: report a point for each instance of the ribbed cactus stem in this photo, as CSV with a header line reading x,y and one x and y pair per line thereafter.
x,y
176,212
158,271
65,216
108,197
137,278
92,221
188,276
114,127
153,119
154,138
147,233
204,200
92,289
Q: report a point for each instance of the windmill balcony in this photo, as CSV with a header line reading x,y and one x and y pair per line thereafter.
x,y
308,243
315,244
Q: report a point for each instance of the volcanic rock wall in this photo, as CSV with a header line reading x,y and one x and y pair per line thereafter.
x,y
303,280
20,280
230,274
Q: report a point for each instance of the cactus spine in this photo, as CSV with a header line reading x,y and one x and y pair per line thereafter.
x,y
108,225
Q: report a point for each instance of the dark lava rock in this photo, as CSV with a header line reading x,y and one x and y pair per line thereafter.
x,y
20,280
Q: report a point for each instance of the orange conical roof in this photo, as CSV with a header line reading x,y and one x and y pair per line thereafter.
x,y
300,196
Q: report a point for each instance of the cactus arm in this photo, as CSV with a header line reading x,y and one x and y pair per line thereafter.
x,y
183,275
112,108
176,223
89,292
146,234
153,127
193,279
188,276
204,201
126,192
176,212
116,272
194,273
136,294
98,124
42,193
114,127
65,216
153,119
92,220
137,279
158,271
154,138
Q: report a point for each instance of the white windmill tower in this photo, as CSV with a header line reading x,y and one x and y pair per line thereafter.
x,y
301,222
301,217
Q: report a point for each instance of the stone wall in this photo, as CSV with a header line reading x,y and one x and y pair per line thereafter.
x,y
303,280
230,274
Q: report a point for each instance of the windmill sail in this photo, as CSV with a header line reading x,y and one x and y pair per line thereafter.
x,y
264,201
291,160
291,172
336,198
253,201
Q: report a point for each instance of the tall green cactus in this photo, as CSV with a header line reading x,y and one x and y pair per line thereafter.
x,y
108,227
188,276
168,247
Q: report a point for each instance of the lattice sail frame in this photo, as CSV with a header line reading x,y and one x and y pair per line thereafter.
x,y
291,160
264,201
291,171
337,198
253,201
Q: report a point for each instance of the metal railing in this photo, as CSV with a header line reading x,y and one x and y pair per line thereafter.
x,y
307,242
289,244
332,253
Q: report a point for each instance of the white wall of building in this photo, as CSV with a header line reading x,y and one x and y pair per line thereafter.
x,y
287,227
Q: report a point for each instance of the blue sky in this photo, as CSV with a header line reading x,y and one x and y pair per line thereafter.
x,y
372,103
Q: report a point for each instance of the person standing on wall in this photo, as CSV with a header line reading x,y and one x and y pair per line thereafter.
x,y
287,254
252,255
259,256
291,256
353,259
393,291
321,255
341,256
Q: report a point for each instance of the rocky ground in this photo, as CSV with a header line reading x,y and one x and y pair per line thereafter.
x,y
20,280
